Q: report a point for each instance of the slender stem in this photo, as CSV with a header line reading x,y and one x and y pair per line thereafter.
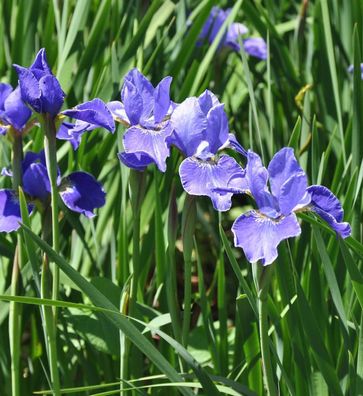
x,y
15,328
135,263
17,160
50,326
50,314
187,300
50,148
188,225
171,282
263,285
124,346
131,355
15,308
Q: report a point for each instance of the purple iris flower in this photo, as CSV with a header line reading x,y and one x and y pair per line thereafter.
x,y
253,46
13,111
351,69
146,110
258,232
79,191
200,131
89,116
40,89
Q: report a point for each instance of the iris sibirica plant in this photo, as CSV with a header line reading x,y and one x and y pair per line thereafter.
x,y
198,128
40,92
200,131
259,232
145,110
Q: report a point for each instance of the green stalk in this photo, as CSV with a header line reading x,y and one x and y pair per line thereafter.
x,y
132,356
263,286
15,328
124,344
188,225
50,326
50,148
49,288
15,308
171,283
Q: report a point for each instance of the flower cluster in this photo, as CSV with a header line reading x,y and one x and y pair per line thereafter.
x,y
254,46
38,96
258,232
197,127
74,191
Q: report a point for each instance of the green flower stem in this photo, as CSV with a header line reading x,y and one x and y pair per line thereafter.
x,y
171,282
15,328
50,149
50,326
132,356
49,288
124,345
135,181
188,225
15,308
263,286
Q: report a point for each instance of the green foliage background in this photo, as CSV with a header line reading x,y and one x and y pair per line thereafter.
x,y
302,96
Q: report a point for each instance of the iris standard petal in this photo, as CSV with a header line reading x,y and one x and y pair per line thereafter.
x,y
138,161
29,87
17,113
216,133
207,100
257,177
52,95
206,29
9,211
282,166
328,207
132,101
235,145
82,193
259,236
40,62
94,112
162,99
208,178
137,87
219,17
292,192
151,142
189,123
255,46
36,181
